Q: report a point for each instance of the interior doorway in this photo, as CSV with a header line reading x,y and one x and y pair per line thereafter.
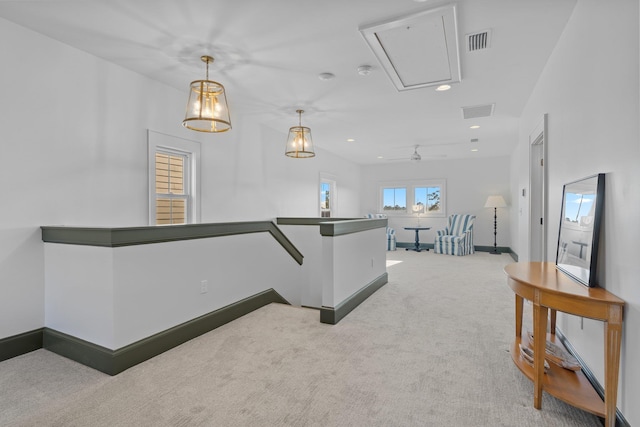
x,y
538,192
328,197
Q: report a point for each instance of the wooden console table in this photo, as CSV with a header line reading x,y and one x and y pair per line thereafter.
x,y
551,290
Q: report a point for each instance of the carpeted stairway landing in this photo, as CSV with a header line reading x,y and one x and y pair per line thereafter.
x,y
431,348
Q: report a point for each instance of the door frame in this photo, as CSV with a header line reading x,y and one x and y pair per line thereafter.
x,y
333,196
538,148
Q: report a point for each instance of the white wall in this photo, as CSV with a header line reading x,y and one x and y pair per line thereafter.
x,y
468,181
590,89
79,296
249,177
308,240
72,140
74,148
114,297
350,262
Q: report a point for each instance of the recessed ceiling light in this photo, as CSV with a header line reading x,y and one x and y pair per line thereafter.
x,y
380,157
326,76
442,88
474,127
474,149
351,140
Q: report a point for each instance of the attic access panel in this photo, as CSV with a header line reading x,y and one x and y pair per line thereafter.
x,y
419,50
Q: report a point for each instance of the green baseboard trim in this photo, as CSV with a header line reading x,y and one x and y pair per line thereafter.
x,y
424,246
333,315
112,362
17,345
81,351
500,249
620,419
411,245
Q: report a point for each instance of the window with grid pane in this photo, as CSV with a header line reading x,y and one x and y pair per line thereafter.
x,y
429,198
394,199
171,188
425,198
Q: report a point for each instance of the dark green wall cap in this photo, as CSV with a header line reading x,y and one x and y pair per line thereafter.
x,y
339,228
128,236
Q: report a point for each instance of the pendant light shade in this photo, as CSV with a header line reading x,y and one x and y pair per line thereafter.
x,y
299,142
207,109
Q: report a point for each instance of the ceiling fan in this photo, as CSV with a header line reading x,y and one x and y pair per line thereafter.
x,y
415,156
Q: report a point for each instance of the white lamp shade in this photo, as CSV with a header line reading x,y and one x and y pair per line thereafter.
x,y
495,202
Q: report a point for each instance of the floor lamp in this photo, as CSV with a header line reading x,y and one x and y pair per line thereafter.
x,y
495,202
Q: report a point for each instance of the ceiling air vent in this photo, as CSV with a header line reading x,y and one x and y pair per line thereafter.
x,y
479,41
477,111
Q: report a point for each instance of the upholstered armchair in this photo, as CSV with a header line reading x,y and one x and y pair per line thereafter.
x,y
391,233
457,238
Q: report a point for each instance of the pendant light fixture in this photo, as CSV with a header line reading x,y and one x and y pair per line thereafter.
x,y
299,142
207,109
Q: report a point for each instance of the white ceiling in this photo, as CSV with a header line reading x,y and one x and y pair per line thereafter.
x,y
269,53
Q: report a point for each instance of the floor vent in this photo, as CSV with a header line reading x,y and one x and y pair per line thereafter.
x,y
478,111
479,41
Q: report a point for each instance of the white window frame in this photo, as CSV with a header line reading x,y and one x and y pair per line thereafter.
x,y
162,143
410,187
393,212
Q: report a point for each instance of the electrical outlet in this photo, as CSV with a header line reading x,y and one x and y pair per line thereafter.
x,y
204,286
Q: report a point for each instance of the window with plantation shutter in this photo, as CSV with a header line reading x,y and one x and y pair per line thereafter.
x,y
174,189
171,191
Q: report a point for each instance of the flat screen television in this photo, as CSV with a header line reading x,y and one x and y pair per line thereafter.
x,y
582,205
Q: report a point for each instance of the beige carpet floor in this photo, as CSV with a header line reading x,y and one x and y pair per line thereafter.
x,y
430,348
